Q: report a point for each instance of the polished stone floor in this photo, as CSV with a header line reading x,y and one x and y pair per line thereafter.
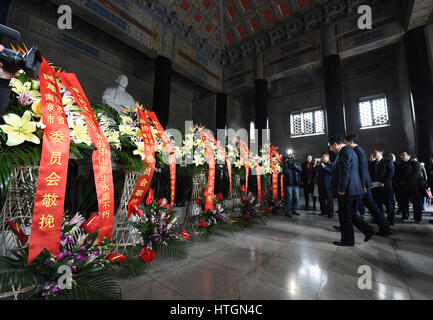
x,y
293,258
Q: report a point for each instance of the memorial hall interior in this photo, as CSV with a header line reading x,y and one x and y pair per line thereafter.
x,y
265,58
302,69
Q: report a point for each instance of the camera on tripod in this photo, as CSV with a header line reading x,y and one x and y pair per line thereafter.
x,y
29,62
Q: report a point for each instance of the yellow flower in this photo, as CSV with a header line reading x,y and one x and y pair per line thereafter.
x,y
140,151
198,160
238,164
19,88
36,85
37,108
138,134
19,129
80,134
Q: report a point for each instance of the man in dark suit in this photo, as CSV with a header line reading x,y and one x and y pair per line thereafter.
x,y
408,179
383,174
324,182
347,186
367,198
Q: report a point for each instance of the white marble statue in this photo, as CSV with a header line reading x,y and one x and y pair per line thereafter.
x,y
118,98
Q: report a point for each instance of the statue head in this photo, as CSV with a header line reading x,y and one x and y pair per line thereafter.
x,y
122,81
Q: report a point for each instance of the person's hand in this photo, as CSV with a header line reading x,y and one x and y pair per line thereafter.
x,y
341,193
381,185
323,165
5,74
365,190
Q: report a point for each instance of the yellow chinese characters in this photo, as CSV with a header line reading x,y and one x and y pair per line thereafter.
x,y
46,222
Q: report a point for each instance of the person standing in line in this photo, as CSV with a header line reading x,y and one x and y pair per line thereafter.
x,y
346,185
324,182
393,159
423,184
383,175
367,198
371,164
408,179
429,169
307,182
292,180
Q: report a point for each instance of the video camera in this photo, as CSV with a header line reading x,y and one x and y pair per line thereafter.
x,y
30,62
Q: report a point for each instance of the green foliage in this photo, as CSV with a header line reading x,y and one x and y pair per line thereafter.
x,y
133,266
107,111
15,157
15,271
125,157
171,250
96,286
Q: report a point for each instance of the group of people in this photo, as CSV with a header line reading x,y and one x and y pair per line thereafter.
x,y
379,184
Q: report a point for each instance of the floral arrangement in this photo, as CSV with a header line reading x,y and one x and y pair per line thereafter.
x,y
124,135
91,267
192,154
210,220
251,208
160,234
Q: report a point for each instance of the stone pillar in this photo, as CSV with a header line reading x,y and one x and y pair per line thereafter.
x,y
161,89
221,111
332,75
421,84
261,109
260,100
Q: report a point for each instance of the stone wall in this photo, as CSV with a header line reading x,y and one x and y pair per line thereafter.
x,y
394,138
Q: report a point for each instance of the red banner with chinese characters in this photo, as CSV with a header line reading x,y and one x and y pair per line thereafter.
x,y
101,158
53,171
273,152
229,165
210,189
171,158
244,157
145,179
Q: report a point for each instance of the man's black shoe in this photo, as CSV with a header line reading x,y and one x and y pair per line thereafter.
x,y
371,234
296,214
330,216
288,215
337,228
323,214
343,244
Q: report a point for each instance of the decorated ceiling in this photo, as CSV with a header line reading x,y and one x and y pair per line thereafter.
x,y
243,19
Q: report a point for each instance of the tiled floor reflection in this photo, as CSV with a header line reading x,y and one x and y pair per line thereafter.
x,y
293,258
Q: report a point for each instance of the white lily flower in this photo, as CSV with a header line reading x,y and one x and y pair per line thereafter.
x,y
19,129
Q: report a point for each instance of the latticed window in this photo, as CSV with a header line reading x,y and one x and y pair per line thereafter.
x,y
373,112
307,123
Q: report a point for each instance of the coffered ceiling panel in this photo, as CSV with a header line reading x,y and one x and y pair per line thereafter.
x,y
243,19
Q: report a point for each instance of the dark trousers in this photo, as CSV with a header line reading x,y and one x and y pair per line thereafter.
x,y
309,189
326,200
377,214
347,213
413,196
385,197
